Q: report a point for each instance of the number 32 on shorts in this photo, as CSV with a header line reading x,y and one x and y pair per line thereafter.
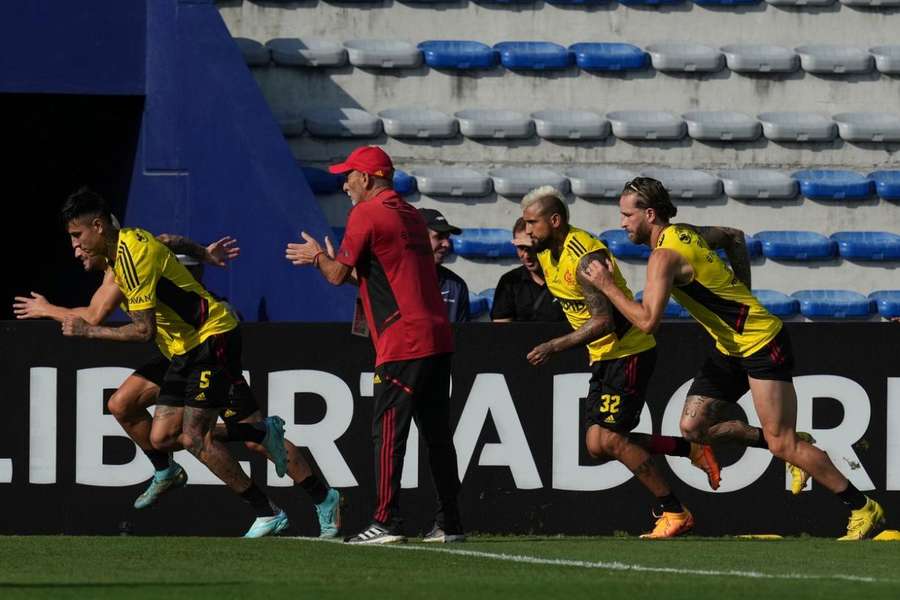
x,y
610,403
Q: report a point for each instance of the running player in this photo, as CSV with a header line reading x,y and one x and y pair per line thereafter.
x,y
140,390
753,350
196,332
621,356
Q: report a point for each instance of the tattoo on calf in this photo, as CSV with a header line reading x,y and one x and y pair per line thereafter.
x,y
643,468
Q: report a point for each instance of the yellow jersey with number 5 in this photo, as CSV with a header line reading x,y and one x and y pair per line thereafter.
x,y
562,282
722,303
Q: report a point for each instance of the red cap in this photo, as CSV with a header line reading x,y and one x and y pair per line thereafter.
x,y
366,159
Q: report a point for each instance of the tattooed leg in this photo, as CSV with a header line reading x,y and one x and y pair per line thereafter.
x,y
166,428
702,421
197,437
603,442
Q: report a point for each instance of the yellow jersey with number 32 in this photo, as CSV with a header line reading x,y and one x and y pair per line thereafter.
x,y
722,303
562,282
150,276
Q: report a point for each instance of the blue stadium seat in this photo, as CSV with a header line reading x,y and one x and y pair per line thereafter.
x,y
618,243
754,246
724,2
478,305
887,302
796,245
458,54
488,295
321,181
673,309
868,245
780,305
534,56
824,184
254,53
887,184
834,304
648,2
597,56
404,183
576,2
484,243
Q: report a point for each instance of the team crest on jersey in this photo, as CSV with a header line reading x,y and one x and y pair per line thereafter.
x,y
140,237
569,277
685,237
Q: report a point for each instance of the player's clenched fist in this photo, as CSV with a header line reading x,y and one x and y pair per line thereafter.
x,y
74,326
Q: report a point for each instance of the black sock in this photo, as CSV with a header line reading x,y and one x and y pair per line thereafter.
x,y
245,432
316,488
761,443
852,497
255,498
669,504
161,460
682,447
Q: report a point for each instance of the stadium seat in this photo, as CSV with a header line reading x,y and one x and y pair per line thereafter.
x,y
646,125
829,58
868,126
383,54
293,52
458,54
534,56
576,2
887,184
673,309
649,2
871,3
724,2
685,57
721,125
790,126
887,302
618,243
497,124
800,2
597,56
760,58
254,53
518,181
867,245
570,125
478,305
687,183
796,245
780,305
758,184
450,181
341,123
598,182
887,58
421,123
754,246
825,184
833,304
484,243
321,181
488,295
291,125
404,183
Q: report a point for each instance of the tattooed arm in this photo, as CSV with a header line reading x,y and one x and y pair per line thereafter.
x,y
217,253
735,246
599,324
141,329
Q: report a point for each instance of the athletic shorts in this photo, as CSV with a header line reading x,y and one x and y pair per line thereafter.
x,y
210,376
617,389
154,370
724,377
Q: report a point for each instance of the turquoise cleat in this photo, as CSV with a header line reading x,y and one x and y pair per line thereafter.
x,y
172,478
274,443
264,526
329,512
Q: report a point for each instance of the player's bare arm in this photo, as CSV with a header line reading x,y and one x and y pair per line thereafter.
x,y
103,302
217,253
310,252
600,323
734,244
141,329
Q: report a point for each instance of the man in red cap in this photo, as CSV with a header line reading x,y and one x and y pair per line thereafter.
x,y
386,243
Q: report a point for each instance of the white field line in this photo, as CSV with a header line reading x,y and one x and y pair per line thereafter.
x,y
608,566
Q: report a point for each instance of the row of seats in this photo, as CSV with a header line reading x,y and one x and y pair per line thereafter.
x,y
464,55
714,3
584,125
607,182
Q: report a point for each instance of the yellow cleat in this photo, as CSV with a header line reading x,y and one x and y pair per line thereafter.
x,y
799,477
671,524
865,522
703,458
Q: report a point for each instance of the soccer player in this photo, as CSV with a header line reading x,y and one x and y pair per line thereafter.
x,y
198,333
753,350
386,242
621,356
141,389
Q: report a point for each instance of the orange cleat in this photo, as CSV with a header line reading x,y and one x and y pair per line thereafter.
x,y
671,524
703,458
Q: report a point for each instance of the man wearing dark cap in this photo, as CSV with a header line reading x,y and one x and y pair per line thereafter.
x,y
454,290
386,242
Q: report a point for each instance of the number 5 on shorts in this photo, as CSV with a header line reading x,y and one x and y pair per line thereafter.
x,y
610,403
204,379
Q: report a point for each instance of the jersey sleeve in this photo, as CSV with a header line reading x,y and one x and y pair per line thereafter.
x,y
357,237
138,271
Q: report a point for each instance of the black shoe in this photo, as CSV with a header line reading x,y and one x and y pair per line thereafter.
x,y
376,534
438,536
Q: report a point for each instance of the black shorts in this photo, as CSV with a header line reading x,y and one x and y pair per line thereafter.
x,y
210,376
154,370
617,389
724,377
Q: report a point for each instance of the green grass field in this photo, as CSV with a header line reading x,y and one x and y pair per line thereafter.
x,y
484,567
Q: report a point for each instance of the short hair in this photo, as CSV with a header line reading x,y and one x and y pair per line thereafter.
x,y
84,203
519,226
551,199
651,194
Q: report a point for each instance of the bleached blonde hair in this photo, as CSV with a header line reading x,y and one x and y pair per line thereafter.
x,y
543,194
